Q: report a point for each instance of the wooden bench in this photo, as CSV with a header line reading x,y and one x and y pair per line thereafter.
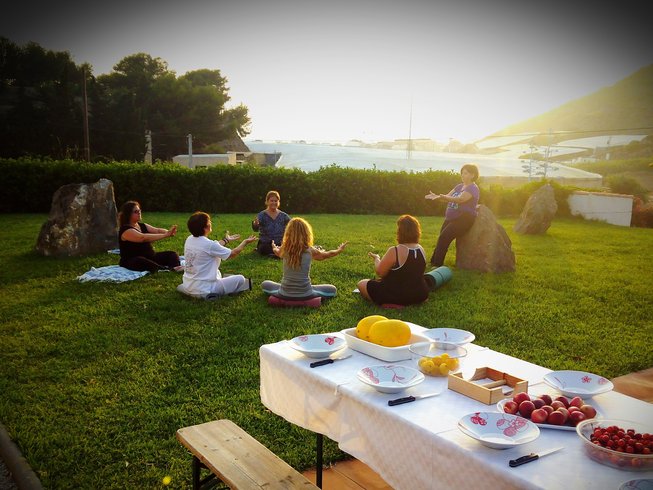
x,y
236,458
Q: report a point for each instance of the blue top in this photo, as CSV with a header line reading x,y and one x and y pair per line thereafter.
x,y
271,229
454,209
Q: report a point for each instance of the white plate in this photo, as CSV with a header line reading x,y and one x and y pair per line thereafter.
x,y
643,484
498,430
318,345
501,403
578,383
388,354
390,378
450,335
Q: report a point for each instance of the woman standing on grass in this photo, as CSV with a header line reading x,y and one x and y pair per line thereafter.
x,y
401,270
202,276
135,240
460,214
270,223
297,252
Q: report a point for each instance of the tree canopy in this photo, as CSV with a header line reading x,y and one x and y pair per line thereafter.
x,y
42,106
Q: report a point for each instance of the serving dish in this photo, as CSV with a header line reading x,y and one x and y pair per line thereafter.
x,y
451,336
610,457
388,354
568,425
437,358
643,484
498,430
578,383
390,378
318,345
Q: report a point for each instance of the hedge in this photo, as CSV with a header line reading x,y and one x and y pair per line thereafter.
x,y
28,186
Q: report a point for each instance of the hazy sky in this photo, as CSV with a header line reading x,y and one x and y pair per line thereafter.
x,y
335,70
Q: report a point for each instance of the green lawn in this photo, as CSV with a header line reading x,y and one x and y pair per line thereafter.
x,y
96,378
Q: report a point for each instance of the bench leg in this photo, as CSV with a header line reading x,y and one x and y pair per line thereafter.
x,y
199,484
318,466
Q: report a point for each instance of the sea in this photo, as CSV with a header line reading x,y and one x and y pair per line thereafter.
x,y
311,157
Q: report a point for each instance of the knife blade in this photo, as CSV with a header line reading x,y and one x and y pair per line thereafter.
x,y
531,457
330,360
411,398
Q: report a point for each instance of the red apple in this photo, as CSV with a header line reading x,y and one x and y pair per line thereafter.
x,y
564,400
520,397
589,411
548,408
556,418
576,417
547,399
511,407
538,402
526,408
539,416
556,404
564,412
576,402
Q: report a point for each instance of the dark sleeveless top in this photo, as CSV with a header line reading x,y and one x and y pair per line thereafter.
x,y
403,285
129,250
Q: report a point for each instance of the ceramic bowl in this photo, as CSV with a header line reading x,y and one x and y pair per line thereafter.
x,y
318,345
390,378
578,383
498,430
610,457
450,336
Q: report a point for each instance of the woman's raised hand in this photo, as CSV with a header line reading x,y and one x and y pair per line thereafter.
x,y
432,196
231,238
373,255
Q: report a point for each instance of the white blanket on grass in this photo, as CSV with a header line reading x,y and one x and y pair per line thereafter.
x,y
110,273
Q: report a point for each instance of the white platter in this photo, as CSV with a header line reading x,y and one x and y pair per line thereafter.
x,y
390,378
498,430
450,335
318,345
578,383
388,354
501,404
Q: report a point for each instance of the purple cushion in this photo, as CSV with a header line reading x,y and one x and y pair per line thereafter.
x,y
392,306
311,303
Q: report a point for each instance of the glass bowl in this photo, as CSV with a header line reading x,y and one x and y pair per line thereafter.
x,y
437,358
610,457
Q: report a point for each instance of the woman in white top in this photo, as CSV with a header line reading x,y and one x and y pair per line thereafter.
x,y
202,277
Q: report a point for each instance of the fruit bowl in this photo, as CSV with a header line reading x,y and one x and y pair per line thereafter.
x,y
451,336
437,358
569,423
610,457
498,430
387,354
318,345
390,378
578,383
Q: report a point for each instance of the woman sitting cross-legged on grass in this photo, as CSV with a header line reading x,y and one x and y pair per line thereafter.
x,y
270,223
203,256
297,252
401,270
135,240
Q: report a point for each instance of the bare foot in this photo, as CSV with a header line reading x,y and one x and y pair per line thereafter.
x,y
179,268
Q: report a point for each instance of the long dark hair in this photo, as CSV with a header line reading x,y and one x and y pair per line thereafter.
x,y
126,211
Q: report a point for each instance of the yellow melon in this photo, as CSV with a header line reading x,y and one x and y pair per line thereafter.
x,y
363,327
390,333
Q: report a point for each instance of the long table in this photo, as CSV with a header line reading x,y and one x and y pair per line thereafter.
x,y
418,445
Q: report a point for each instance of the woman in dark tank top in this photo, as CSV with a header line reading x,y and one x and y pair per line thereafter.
x,y
135,240
401,270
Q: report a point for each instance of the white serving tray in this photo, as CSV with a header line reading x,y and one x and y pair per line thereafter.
x,y
389,354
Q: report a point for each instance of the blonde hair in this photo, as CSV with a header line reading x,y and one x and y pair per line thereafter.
x,y
296,239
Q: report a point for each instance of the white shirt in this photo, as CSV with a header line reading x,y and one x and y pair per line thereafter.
x,y
203,257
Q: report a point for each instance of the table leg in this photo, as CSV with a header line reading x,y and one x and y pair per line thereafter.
x,y
318,467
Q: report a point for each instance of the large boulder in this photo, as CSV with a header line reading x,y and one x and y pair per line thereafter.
x,y
486,247
82,221
538,212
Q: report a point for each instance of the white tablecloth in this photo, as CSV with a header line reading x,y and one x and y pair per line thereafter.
x,y
418,445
